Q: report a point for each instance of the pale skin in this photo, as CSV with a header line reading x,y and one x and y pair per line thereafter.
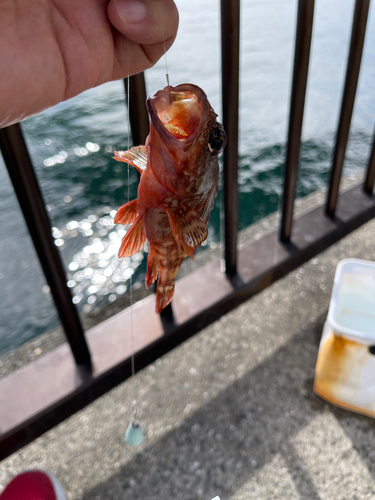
x,y
52,50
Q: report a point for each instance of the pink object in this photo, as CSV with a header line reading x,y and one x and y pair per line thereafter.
x,y
33,485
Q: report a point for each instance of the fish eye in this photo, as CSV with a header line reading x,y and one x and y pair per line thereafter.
x,y
217,140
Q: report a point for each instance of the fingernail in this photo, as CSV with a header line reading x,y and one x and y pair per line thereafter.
x,y
131,11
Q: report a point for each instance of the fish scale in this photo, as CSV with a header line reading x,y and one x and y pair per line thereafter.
x,y
178,185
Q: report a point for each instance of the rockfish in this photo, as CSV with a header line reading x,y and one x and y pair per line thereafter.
x,y
179,181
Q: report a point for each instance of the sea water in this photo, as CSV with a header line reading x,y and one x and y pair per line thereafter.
x,y
72,145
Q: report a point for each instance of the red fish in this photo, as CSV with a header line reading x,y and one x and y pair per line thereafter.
x,y
179,181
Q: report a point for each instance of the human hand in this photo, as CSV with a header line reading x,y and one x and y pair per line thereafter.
x,y
52,50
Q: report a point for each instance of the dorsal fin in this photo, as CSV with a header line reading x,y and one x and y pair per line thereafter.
x,y
136,156
127,213
188,228
134,239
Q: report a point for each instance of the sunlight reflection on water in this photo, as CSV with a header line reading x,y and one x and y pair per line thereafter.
x,y
95,273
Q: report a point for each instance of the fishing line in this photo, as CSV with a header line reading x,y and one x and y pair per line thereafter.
x,y
166,67
131,276
134,433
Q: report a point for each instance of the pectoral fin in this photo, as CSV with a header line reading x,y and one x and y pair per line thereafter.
x,y
188,228
136,156
127,213
134,239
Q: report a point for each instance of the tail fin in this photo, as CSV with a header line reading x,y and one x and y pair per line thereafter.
x,y
164,294
166,262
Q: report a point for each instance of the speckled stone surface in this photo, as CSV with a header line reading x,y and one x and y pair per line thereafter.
x,y
231,412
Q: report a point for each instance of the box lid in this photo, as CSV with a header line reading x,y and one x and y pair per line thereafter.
x,y
352,308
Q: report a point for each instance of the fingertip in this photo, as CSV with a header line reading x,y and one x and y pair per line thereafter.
x,y
145,22
131,11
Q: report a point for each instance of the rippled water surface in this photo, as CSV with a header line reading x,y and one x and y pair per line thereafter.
x,y
72,146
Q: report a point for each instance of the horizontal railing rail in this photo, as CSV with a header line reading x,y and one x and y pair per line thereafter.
x,y
99,358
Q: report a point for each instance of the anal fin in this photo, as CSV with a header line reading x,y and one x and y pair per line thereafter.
x,y
188,228
137,157
134,239
152,272
127,213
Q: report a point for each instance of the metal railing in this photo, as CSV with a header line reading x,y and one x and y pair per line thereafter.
x,y
247,271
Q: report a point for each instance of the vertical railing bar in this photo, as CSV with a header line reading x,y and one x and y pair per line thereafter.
x,y
305,18
138,116
347,104
25,183
370,174
230,58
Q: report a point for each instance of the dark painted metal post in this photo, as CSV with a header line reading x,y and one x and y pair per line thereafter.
x,y
305,18
230,59
370,175
352,72
22,175
138,116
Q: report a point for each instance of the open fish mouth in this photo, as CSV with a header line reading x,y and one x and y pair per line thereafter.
x,y
179,113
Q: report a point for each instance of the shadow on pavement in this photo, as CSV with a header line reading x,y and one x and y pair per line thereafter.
x,y
221,446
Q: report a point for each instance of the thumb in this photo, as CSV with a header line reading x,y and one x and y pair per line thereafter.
x,y
151,24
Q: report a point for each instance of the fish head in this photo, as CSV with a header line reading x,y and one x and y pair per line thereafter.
x,y
185,137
